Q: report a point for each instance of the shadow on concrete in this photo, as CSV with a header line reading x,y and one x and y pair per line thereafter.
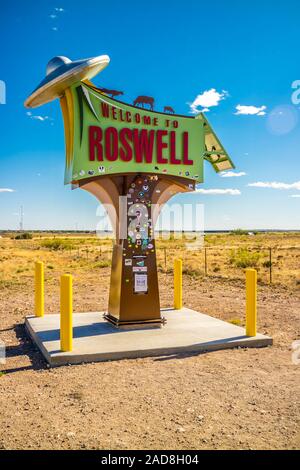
x,y
25,348
93,329
210,348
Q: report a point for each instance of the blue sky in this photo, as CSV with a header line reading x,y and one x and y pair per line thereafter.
x,y
248,52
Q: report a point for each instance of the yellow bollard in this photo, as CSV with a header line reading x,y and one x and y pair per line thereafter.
x,y
66,310
177,284
39,289
251,302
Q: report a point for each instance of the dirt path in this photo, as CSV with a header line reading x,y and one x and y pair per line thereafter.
x,y
237,399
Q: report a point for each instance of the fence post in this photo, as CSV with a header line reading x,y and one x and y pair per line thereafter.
x,y
39,290
251,302
270,264
177,284
205,261
66,310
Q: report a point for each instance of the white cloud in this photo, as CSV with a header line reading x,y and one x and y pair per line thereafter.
x,y
56,12
231,192
206,100
252,110
6,190
276,185
38,117
295,195
231,174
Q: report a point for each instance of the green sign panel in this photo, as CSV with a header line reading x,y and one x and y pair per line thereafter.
x,y
111,137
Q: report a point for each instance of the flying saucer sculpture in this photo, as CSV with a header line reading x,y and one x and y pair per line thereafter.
x,y
61,73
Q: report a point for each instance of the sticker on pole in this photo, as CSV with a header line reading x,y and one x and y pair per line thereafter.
x,y
140,283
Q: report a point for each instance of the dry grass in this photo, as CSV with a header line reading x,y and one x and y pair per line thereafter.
x,y
227,255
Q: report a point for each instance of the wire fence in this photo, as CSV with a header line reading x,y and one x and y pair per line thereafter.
x,y
277,264
274,265
280,265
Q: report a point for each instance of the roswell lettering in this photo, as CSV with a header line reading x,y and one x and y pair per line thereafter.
x,y
139,145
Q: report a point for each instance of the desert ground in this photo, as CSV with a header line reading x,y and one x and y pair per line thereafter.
x,y
233,399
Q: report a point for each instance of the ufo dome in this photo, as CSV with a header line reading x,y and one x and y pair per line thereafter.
x,y
56,62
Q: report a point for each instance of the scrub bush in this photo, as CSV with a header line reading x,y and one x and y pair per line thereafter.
x,y
57,244
24,236
243,258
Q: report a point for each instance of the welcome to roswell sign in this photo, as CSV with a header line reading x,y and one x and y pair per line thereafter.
x,y
105,137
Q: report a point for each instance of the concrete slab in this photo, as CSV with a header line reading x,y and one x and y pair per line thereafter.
x,y
94,339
